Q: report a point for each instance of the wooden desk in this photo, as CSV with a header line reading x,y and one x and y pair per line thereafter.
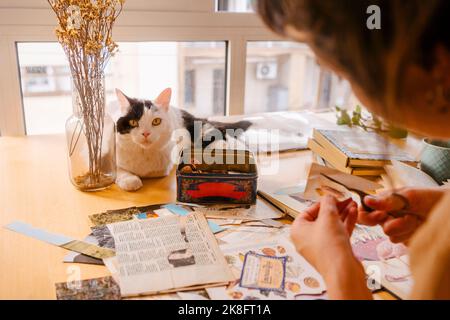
x,y
35,188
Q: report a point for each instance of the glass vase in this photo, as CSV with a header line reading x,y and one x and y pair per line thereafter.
x,y
91,137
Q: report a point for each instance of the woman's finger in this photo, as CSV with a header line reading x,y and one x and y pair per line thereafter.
x,y
351,219
311,213
390,202
401,226
341,205
328,207
371,218
344,213
400,239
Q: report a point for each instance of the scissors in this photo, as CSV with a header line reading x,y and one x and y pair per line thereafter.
x,y
362,195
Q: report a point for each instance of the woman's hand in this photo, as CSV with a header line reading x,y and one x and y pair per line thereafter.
x,y
321,235
323,231
414,204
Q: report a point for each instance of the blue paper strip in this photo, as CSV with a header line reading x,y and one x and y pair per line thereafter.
x,y
177,209
141,215
28,230
215,228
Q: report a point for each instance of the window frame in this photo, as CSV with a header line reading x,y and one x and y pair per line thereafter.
x,y
139,22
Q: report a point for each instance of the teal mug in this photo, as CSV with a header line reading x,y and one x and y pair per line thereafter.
x,y
435,159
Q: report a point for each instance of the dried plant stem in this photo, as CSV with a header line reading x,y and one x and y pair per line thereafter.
x,y
88,47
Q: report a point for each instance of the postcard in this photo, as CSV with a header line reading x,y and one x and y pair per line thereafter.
x,y
263,272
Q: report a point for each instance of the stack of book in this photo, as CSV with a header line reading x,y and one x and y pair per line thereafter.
x,y
359,153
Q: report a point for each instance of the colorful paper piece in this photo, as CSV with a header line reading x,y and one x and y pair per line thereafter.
x,y
112,216
176,209
215,228
103,237
61,240
93,289
263,272
28,230
89,249
179,210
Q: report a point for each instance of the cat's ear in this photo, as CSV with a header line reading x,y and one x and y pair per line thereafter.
x,y
123,101
163,99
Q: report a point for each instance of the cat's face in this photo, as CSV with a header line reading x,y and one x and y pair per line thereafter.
x,y
145,122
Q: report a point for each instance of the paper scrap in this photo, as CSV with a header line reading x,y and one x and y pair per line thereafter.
x,y
180,211
163,212
60,240
317,185
176,209
112,216
263,272
215,228
28,230
272,223
89,249
260,211
103,237
92,289
75,257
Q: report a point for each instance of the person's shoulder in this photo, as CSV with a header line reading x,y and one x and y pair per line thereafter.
x,y
435,230
440,214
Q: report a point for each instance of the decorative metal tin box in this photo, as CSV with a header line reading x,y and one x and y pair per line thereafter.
x,y
221,176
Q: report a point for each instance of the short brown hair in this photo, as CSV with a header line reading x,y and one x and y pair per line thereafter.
x,y
375,59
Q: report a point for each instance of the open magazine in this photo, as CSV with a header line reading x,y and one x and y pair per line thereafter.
x,y
172,253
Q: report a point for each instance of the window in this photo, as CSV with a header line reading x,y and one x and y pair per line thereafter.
x,y
283,76
140,69
235,5
189,88
196,47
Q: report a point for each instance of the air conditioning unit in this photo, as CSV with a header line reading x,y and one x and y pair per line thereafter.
x,y
266,70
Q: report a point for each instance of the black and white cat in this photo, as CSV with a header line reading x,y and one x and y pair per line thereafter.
x,y
145,142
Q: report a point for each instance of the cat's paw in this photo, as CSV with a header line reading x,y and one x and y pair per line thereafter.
x,y
129,183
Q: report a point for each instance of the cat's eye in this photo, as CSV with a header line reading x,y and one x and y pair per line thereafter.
x,y
133,123
156,122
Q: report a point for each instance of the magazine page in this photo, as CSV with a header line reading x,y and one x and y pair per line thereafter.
x,y
171,252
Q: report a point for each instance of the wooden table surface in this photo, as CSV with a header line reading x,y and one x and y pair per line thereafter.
x,y
35,188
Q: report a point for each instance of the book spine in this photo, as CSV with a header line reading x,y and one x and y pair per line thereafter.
x,y
318,149
331,149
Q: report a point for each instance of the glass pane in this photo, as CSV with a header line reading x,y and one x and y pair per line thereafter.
x,y
285,76
235,5
194,70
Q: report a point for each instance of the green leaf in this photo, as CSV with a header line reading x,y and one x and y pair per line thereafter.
x,y
344,119
358,109
397,133
356,119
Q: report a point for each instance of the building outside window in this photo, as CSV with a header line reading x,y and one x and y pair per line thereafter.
x,y
216,55
235,5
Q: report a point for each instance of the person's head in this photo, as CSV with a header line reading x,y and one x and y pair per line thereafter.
x,y
401,71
